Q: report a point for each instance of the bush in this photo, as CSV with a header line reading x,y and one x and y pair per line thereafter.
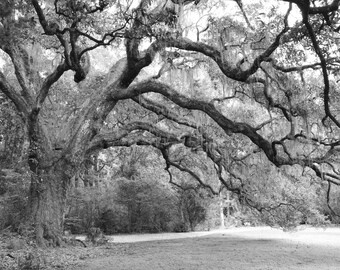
x,y
96,236
113,220
13,199
129,206
193,207
180,227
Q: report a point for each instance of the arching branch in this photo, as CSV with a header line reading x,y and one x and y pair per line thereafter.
x,y
49,81
313,66
159,109
104,141
226,124
20,60
197,178
229,126
306,11
14,96
305,6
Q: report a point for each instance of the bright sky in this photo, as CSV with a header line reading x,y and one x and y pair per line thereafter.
x,y
231,8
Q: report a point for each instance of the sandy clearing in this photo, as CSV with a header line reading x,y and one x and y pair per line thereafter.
x,y
156,236
239,248
316,236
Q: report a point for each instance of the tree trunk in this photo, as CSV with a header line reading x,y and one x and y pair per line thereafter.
x,y
47,206
221,210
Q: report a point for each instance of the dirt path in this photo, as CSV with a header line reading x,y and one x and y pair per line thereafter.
x,y
157,236
249,248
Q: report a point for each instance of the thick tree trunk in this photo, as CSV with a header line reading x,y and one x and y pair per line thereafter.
x,y
47,206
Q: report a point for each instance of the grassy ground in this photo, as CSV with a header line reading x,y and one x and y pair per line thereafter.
x,y
262,248
239,249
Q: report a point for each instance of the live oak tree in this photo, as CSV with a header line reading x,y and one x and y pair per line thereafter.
x,y
267,66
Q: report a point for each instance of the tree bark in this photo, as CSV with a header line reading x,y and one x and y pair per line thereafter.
x,y
47,205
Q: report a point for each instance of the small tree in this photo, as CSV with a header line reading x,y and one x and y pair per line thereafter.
x,y
193,206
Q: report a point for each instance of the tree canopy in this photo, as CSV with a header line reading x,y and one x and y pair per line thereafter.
x,y
228,89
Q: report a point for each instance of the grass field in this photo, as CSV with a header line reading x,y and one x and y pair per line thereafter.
x,y
249,248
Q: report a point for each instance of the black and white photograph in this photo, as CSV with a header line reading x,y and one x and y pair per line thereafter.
x,y
169,134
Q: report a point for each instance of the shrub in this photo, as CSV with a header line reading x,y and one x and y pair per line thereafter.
x,y
13,198
180,227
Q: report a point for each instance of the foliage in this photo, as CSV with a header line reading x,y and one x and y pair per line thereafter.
x,y
96,236
12,144
14,188
283,198
131,202
148,206
84,210
194,210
